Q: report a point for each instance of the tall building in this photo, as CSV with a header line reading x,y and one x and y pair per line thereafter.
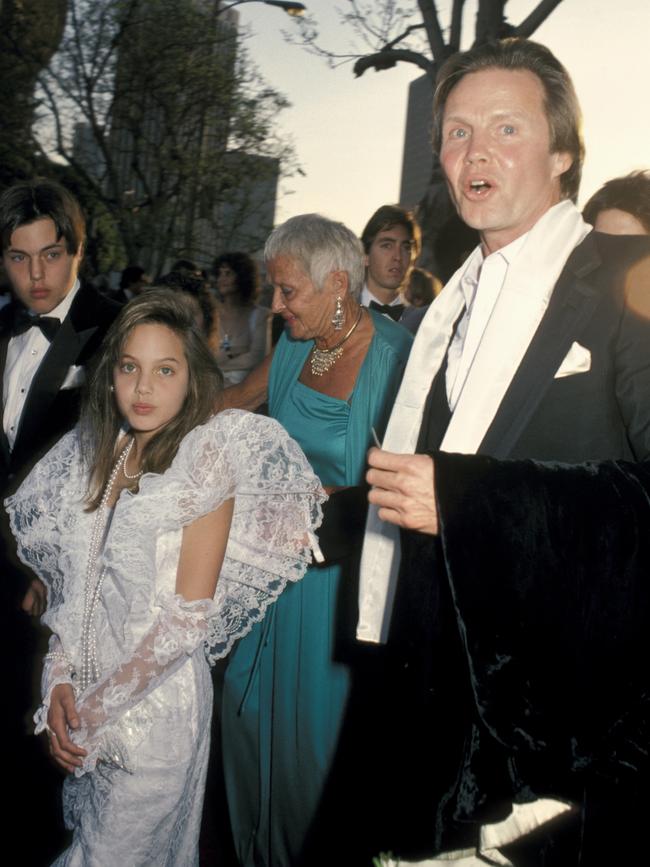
x,y
183,191
417,161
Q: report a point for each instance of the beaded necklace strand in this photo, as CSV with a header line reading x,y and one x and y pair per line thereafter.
x,y
93,584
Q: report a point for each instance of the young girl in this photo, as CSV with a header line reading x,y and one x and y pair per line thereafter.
x,y
129,521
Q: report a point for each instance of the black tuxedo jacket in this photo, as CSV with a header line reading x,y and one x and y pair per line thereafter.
x,y
49,410
518,633
601,301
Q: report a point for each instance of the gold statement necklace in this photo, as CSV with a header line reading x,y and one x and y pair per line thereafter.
x,y
323,360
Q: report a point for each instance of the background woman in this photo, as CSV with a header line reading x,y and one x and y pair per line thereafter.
x,y
331,380
127,521
240,336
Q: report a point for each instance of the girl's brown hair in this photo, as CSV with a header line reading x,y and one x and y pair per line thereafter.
x,y
100,417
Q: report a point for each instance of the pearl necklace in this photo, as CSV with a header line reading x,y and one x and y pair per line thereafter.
x,y
93,585
127,452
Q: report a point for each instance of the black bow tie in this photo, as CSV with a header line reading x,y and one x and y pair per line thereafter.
x,y
23,321
393,310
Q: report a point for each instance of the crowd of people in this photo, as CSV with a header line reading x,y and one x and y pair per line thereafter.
x,y
408,522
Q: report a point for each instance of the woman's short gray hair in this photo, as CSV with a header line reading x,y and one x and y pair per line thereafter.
x,y
320,246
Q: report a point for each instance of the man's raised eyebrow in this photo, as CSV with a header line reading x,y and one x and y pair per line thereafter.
x,y
508,113
497,113
453,118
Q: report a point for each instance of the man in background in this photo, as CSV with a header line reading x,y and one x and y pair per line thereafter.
x,y
48,333
391,241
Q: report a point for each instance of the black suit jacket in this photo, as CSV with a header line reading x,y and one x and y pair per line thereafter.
x,y
49,410
517,633
601,301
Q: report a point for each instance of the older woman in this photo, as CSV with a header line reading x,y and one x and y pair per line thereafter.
x,y
330,382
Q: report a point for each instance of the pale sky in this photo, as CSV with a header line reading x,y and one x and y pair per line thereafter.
x,y
349,132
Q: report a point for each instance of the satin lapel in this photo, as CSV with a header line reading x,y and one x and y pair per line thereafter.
x,y
572,304
64,351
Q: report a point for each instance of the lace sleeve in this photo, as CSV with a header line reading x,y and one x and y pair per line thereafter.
x,y
57,669
44,510
178,630
277,509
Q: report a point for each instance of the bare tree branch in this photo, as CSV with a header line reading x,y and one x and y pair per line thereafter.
x,y
404,35
387,59
537,17
147,131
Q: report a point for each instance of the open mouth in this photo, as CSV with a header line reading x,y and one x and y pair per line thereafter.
x,y
479,186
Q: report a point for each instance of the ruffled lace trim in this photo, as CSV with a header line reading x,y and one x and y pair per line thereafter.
x,y
277,508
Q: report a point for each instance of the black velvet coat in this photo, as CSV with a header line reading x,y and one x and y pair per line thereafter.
x,y
518,634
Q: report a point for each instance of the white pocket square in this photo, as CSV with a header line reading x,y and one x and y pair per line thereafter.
x,y
74,378
577,360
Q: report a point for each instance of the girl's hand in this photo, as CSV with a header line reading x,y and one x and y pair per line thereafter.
x,y
61,717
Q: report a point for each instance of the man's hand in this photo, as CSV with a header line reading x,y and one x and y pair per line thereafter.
x,y
62,716
402,487
35,599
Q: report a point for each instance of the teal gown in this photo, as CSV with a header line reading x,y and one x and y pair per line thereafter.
x,y
286,687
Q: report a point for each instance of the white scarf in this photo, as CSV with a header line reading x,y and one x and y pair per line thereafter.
x,y
517,312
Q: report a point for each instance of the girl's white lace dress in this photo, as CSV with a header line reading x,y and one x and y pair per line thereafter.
x,y
148,705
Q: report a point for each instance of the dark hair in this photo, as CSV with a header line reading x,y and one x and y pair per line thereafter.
x,y
191,284
422,287
130,275
246,274
28,201
385,218
185,265
561,103
181,281
630,193
100,417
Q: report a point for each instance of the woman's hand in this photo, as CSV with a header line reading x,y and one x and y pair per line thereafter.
x,y
61,717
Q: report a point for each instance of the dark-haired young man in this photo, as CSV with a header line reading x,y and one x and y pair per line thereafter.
x,y
391,242
48,333
513,477
51,329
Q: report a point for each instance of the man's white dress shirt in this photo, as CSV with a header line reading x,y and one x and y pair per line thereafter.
x,y
25,352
